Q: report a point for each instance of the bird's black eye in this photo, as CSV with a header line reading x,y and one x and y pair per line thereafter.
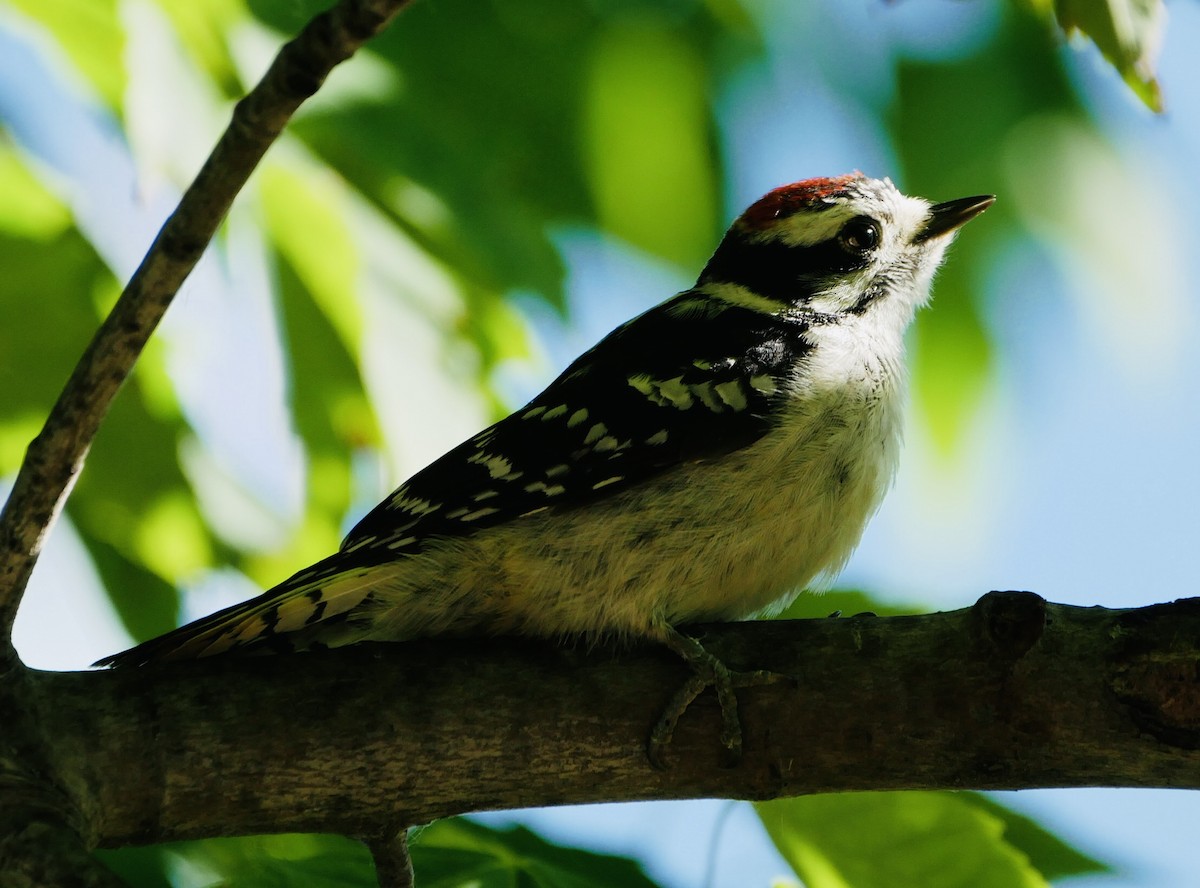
x,y
859,235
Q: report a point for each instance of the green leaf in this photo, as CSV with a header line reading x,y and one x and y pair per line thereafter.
x,y
884,840
147,867
285,861
295,860
479,161
1049,854
952,361
846,602
49,280
449,854
307,222
647,133
462,854
1128,32
28,210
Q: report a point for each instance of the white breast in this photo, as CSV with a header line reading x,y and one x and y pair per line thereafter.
x,y
707,541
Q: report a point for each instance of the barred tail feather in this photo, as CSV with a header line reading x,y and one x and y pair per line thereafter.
x,y
309,609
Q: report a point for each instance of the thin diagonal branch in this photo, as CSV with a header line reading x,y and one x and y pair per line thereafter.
x,y
56,455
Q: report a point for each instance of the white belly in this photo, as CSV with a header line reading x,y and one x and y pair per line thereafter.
x,y
707,541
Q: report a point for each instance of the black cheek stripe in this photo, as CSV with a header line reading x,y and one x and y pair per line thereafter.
x,y
785,273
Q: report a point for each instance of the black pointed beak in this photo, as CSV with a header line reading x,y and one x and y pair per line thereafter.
x,y
953,214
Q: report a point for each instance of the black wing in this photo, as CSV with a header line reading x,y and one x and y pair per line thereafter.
x,y
690,379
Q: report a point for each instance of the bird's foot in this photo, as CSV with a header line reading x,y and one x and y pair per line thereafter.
x,y
708,671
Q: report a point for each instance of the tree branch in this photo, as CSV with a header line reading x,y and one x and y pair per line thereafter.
x,y
56,456
1011,693
393,863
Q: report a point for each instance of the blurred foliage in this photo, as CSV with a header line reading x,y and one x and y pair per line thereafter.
x,y
845,603
951,153
932,839
410,201
1128,32
454,853
448,854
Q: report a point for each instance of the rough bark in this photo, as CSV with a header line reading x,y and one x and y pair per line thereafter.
x,y
1011,693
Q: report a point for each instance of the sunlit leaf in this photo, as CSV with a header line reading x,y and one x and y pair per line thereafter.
x,y
461,854
49,275
449,854
845,602
1049,854
647,133
1128,32
279,861
171,540
479,160
306,218
881,840
952,361
28,210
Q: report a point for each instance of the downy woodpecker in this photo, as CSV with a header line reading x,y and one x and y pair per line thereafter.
x,y
705,461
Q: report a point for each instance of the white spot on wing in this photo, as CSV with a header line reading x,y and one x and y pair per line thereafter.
x,y
731,393
659,437
607,481
704,391
497,466
480,513
414,505
579,416
595,433
763,383
676,392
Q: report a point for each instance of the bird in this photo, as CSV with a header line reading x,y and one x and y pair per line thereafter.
x,y
705,462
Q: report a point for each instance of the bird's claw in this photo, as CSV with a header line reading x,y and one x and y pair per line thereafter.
x,y
708,671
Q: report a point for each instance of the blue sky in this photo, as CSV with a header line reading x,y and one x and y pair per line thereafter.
x,y
1078,478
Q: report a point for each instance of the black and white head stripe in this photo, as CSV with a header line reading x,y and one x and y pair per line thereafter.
x,y
790,263
784,273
